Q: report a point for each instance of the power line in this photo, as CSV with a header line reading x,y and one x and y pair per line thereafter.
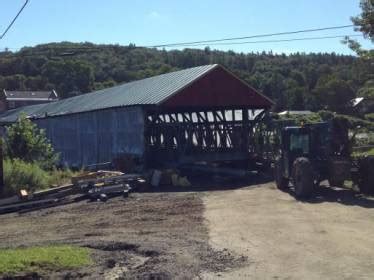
x,y
71,50
14,19
93,48
272,41
216,41
251,37
80,49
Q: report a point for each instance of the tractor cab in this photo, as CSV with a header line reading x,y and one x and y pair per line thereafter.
x,y
310,141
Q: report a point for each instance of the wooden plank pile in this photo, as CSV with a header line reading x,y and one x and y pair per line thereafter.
x,y
100,186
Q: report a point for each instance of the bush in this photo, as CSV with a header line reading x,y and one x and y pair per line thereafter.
x,y
326,115
355,122
302,119
23,175
61,176
370,117
19,175
25,141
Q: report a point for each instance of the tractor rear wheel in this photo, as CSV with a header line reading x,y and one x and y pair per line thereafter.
x,y
303,178
280,180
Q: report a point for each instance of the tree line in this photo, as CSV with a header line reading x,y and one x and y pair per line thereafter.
x,y
316,81
298,81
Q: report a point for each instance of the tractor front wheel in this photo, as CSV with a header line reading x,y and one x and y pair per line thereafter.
x,y
303,178
336,182
280,180
366,175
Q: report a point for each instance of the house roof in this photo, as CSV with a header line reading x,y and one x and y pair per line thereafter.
x,y
17,95
356,101
150,91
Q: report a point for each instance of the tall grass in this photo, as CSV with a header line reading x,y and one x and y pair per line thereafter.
x,y
61,176
30,176
22,175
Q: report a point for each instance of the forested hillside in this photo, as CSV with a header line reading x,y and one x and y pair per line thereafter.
x,y
297,81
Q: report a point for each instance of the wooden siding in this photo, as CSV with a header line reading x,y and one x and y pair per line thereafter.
x,y
218,88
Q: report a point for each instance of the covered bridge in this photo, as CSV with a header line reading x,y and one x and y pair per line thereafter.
x,y
203,113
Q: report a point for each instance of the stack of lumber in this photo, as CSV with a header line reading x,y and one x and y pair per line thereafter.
x,y
99,185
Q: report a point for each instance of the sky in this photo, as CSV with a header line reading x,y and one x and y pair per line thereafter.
x,y
147,22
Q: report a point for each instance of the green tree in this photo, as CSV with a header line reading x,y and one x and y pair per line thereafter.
x,y
15,81
365,21
367,90
295,91
365,24
336,94
25,141
274,87
298,77
69,76
47,66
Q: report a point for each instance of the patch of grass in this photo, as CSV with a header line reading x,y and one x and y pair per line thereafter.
x,y
34,259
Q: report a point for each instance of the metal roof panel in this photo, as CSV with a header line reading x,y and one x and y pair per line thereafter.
x,y
149,91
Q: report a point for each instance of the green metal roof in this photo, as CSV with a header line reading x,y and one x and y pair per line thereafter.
x,y
150,91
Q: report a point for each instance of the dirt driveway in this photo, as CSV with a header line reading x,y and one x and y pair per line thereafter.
x,y
330,237
160,235
255,232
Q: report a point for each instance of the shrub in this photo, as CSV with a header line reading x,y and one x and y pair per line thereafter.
x,y
370,117
61,176
326,115
299,119
25,141
19,175
355,122
23,175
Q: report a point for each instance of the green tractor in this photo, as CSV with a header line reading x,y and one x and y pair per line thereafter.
x,y
310,154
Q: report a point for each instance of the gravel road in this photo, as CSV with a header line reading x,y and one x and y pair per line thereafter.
x,y
329,237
